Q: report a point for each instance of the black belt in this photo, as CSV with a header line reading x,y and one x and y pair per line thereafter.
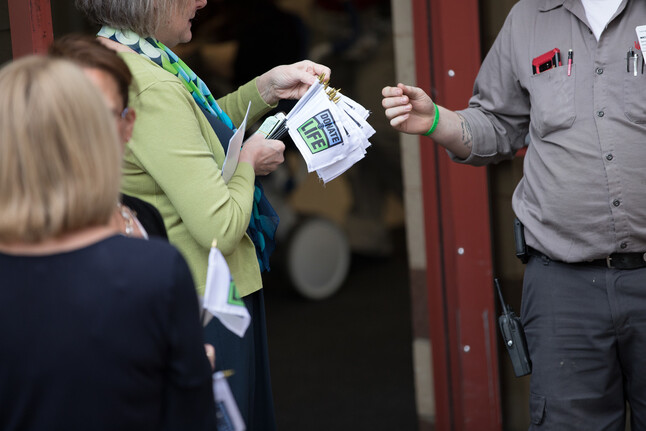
x,y
614,261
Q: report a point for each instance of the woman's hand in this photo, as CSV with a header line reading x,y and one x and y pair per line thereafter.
x,y
289,81
409,109
264,155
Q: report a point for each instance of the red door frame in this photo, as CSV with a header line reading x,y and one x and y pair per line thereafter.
x,y
30,22
458,231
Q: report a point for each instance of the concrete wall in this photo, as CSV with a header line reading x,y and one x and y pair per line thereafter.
x,y
412,185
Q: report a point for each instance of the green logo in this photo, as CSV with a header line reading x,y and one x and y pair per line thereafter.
x,y
234,297
320,132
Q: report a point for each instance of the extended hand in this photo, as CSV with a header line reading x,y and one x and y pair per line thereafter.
x,y
409,109
289,81
263,154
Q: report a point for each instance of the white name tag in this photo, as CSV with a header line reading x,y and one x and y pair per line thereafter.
x,y
641,36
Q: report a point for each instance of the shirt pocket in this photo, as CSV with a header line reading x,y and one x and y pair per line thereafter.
x,y
635,97
552,100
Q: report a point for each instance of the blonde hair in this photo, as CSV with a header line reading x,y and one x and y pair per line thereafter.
x,y
60,159
144,17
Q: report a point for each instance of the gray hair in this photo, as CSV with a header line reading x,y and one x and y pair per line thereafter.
x,y
143,17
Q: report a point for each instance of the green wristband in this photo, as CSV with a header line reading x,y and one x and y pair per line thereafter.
x,y
436,120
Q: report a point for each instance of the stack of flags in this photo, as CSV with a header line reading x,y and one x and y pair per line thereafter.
x,y
330,130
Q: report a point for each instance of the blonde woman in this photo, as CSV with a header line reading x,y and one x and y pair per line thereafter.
x,y
99,331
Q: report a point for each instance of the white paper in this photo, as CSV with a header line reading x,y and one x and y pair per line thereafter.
x,y
227,413
221,298
233,152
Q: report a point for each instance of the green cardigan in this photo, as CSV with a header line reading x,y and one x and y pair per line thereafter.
x,y
174,162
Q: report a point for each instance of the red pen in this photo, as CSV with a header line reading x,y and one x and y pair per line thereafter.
x,y
569,62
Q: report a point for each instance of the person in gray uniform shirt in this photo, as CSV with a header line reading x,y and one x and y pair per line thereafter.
x,y
568,75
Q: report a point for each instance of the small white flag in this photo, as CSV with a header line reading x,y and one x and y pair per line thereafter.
x,y
221,297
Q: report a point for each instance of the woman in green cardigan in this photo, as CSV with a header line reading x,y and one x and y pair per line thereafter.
x,y
174,161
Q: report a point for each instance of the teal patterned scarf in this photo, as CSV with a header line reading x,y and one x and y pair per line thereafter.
x,y
165,58
264,220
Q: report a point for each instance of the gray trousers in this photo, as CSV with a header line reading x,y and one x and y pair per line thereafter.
x,y
586,333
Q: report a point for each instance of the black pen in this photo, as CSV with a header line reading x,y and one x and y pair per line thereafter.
x,y
557,58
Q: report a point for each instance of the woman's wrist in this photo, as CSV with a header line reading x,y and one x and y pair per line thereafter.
x,y
266,90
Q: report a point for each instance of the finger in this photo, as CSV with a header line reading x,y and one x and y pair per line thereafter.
x,y
210,354
325,72
412,92
277,145
397,121
315,66
310,78
397,111
391,91
256,137
319,69
390,102
406,88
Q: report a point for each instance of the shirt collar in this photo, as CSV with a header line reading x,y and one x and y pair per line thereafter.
x,y
547,5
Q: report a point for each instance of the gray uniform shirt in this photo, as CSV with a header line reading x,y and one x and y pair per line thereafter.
x,y
583,193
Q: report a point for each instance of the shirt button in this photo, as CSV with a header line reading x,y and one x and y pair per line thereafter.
x,y
599,71
609,157
616,202
600,114
623,245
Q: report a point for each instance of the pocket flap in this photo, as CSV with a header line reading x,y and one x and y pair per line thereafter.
x,y
536,408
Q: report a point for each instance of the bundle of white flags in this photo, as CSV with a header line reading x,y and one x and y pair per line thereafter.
x,y
330,130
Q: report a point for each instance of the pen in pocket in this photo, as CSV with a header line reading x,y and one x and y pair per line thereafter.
x,y
570,58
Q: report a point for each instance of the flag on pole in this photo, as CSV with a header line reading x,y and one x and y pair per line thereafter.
x,y
221,297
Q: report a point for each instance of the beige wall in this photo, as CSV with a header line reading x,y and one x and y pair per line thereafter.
x,y
412,191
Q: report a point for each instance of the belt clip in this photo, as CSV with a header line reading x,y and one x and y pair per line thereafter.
x,y
609,261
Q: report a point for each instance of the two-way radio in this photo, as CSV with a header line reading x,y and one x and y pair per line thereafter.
x,y
513,335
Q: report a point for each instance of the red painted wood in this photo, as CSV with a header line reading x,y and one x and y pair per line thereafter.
x,y
30,22
456,209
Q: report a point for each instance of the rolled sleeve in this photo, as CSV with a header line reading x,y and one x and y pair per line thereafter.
x,y
498,113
